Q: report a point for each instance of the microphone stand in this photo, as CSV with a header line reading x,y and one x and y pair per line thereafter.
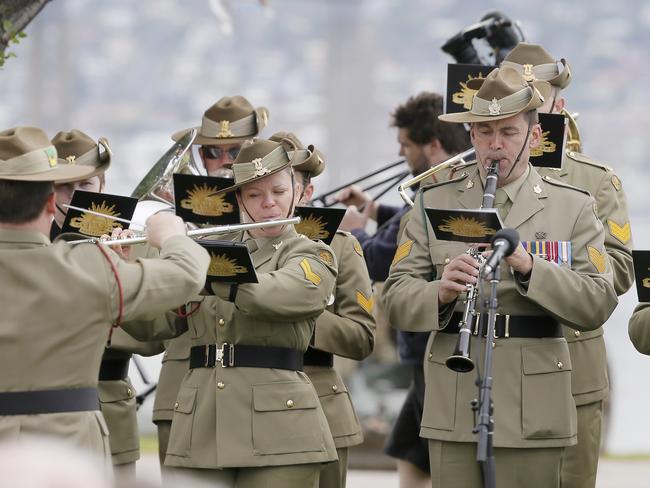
x,y
485,427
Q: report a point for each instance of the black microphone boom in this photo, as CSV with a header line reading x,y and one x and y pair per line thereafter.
x,y
504,244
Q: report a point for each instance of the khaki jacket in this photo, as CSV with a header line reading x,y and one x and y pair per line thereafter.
x,y
117,399
59,303
589,382
346,328
247,419
533,406
175,363
639,328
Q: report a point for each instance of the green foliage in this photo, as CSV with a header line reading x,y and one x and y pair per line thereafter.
x,y
12,38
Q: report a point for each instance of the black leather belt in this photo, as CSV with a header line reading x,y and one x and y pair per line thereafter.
x,y
48,401
241,355
529,326
316,357
113,369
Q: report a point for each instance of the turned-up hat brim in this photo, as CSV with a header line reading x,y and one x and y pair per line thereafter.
x,y
261,115
503,94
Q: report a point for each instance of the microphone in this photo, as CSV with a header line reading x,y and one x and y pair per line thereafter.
x,y
504,244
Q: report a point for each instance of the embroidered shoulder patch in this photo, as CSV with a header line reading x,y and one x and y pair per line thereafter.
x,y
364,302
622,232
597,258
402,251
357,247
309,274
326,257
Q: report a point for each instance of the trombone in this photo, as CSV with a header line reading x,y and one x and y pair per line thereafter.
x,y
196,233
390,181
458,159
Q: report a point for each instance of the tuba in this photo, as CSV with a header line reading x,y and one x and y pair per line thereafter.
x,y
574,142
157,184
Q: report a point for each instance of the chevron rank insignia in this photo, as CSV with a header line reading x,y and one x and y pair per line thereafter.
x,y
622,232
309,274
597,258
402,251
365,303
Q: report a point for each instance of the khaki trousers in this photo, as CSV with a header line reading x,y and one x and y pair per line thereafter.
x,y
453,465
296,476
580,463
333,475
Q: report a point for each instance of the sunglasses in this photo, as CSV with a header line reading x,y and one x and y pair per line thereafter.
x,y
216,152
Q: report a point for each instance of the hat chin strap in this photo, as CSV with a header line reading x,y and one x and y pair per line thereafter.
x,y
291,209
521,150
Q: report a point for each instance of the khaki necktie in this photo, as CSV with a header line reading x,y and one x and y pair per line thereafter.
x,y
501,203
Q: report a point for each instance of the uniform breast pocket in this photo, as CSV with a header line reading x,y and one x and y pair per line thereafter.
x,y
180,439
441,254
286,419
441,388
548,409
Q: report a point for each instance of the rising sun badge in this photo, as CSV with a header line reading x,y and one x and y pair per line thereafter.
x,y
202,202
221,265
94,225
465,95
313,227
544,146
464,227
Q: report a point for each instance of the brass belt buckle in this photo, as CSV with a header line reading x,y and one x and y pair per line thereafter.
x,y
507,326
220,355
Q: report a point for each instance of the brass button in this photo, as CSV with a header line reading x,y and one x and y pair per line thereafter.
x,y
129,393
447,260
335,388
430,355
290,403
577,333
221,385
176,406
572,154
222,322
560,365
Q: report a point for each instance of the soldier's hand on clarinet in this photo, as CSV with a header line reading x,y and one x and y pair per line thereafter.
x,y
457,274
162,226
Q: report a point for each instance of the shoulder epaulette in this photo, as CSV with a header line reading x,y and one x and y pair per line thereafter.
x,y
343,232
460,177
562,184
581,158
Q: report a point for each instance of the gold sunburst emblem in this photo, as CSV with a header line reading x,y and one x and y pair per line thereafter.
x,y
221,265
94,225
544,146
201,201
464,227
465,95
313,227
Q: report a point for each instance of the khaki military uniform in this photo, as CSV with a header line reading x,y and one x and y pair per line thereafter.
x,y
533,405
589,382
175,363
117,398
346,328
57,315
638,328
255,416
